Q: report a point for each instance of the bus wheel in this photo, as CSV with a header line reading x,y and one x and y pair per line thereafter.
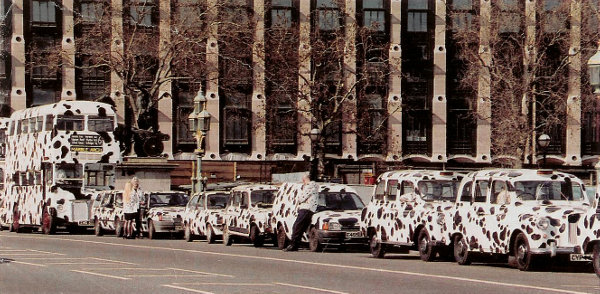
x,y
48,224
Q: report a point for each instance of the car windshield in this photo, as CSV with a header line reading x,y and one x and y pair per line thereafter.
x,y
339,201
438,190
549,190
263,196
168,199
217,201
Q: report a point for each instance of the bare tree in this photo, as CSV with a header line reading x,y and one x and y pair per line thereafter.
x,y
528,73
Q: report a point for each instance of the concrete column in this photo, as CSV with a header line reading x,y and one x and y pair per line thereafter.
x,y
349,148
116,46
573,140
68,52
394,102
439,103
18,97
259,145
528,58
211,142
165,104
304,116
484,105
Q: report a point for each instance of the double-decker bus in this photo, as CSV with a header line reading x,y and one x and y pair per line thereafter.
x,y
56,155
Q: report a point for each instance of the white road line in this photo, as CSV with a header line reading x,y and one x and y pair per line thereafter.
x,y
187,289
24,254
310,288
126,268
115,261
197,272
27,263
52,258
225,284
40,251
101,275
510,285
143,276
76,263
12,250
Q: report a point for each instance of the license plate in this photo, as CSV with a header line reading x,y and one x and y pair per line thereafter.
x,y
356,234
580,257
178,228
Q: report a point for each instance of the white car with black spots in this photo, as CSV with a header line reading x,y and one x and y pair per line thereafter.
x,y
335,223
107,212
162,213
407,211
203,215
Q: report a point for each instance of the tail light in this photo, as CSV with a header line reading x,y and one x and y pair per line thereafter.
x,y
160,216
325,226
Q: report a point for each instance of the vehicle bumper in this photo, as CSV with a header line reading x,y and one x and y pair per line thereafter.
x,y
168,226
341,237
554,250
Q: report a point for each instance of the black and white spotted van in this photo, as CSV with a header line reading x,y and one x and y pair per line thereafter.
x,y
335,223
407,211
247,214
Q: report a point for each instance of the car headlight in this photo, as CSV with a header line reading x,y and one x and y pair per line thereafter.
x,y
332,226
543,223
440,219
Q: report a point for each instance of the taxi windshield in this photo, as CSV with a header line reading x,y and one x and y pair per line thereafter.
x,y
168,199
438,190
263,196
339,201
549,190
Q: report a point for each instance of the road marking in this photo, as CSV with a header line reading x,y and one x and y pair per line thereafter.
x,y
512,285
174,275
187,289
101,275
76,263
115,261
52,258
310,288
125,268
28,263
225,284
197,272
40,251
23,254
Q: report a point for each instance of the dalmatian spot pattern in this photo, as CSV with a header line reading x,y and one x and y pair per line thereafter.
x,y
239,220
27,151
200,219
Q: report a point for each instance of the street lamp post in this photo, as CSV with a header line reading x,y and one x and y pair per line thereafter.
x,y
543,141
315,163
199,121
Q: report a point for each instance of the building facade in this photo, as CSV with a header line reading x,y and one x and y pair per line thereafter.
x,y
421,114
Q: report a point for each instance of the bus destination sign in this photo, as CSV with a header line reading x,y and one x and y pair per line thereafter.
x,y
86,143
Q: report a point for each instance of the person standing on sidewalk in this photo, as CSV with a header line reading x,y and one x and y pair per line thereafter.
x,y
307,205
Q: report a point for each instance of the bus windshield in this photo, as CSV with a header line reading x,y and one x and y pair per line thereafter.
x,y
549,190
68,172
101,124
70,123
99,175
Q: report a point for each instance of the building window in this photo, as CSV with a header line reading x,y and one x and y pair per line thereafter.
x,y
189,13
92,11
374,15
141,13
590,135
328,15
508,16
282,13
417,15
43,13
372,127
94,82
185,106
461,15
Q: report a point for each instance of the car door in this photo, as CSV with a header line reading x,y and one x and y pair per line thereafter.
x,y
233,210
190,211
403,209
476,217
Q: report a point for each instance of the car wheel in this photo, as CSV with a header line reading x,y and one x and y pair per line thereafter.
x,y
118,227
313,240
227,238
377,248
282,239
523,254
210,235
255,237
426,249
97,228
461,251
596,259
48,225
151,230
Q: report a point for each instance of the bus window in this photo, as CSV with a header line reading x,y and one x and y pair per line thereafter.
x,y
32,125
49,122
70,123
101,124
11,131
40,123
38,178
67,172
